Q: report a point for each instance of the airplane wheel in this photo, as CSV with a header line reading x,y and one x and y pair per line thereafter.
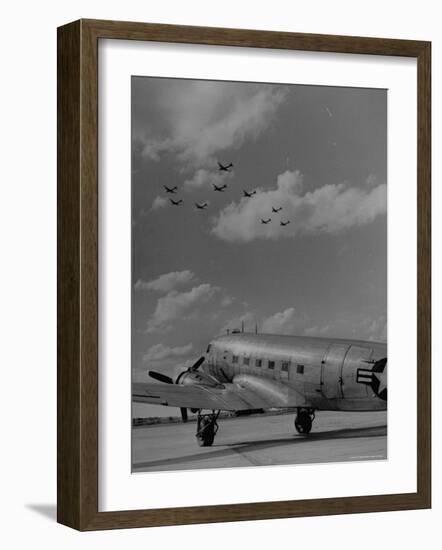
x,y
206,433
303,422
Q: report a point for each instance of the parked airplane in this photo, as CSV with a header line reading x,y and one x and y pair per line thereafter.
x,y
243,371
276,210
176,203
284,223
265,222
248,194
201,206
226,168
219,187
172,190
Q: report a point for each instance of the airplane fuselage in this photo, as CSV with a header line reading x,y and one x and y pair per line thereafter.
x,y
330,374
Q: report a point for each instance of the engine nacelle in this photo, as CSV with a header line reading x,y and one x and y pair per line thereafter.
x,y
192,377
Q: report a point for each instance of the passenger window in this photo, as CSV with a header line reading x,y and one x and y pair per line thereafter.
x,y
234,359
285,366
271,365
300,369
258,363
246,361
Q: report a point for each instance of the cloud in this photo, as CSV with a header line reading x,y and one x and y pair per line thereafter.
x,y
283,322
179,305
328,209
167,281
377,329
204,118
159,353
206,178
159,202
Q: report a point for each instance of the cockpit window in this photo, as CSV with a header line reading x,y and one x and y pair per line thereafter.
x,y
246,361
235,359
271,365
258,363
285,366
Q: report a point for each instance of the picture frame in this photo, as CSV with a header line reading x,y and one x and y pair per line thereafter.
x,y
78,292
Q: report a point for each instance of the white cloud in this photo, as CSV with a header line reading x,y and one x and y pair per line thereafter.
x,y
328,209
159,353
283,322
377,329
206,178
179,305
167,281
205,118
248,318
159,202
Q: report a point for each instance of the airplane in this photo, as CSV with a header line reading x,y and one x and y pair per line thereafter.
x,y
219,188
248,194
276,210
172,190
201,206
176,203
225,168
284,223
244,371
265,222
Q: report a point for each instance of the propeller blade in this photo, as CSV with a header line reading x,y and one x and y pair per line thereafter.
x,y
196,365
183,414
160,377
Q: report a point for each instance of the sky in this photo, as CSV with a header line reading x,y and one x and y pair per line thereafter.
x,y
318,152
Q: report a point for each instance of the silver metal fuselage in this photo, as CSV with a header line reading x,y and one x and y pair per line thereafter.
x,y
328,374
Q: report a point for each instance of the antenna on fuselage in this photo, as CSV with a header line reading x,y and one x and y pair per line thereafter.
x,y
256,328
242,326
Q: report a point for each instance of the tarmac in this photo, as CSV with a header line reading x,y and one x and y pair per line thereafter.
x,y
261,440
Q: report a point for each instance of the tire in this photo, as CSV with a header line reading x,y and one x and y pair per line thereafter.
x,y
303,423
206,434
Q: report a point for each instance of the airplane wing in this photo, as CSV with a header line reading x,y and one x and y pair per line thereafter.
x,y
245,393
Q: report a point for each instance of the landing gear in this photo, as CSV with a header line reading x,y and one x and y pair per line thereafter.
x,y
206,428
304,420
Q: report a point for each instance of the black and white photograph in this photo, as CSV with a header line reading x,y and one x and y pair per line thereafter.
x,y
259,274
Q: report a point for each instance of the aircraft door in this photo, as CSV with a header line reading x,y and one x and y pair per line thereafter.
x,y
356,358
331,371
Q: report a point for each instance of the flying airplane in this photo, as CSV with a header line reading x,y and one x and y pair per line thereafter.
x,y
265,222
176,203
219,188
248,194
225,168
201,206
243,371
284,223
172,190
276,210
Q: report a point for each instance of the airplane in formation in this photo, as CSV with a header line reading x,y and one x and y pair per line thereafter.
x,y
265,222
172,190
276,210
244,371
225,168
219,188
284,223
201,206
176,203
248,194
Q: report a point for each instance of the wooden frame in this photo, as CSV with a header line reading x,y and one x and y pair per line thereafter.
x,y
77,460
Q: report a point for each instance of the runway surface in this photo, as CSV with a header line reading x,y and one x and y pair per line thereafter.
x,y
262,440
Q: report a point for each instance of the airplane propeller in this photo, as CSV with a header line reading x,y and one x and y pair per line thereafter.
x,y
168,380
